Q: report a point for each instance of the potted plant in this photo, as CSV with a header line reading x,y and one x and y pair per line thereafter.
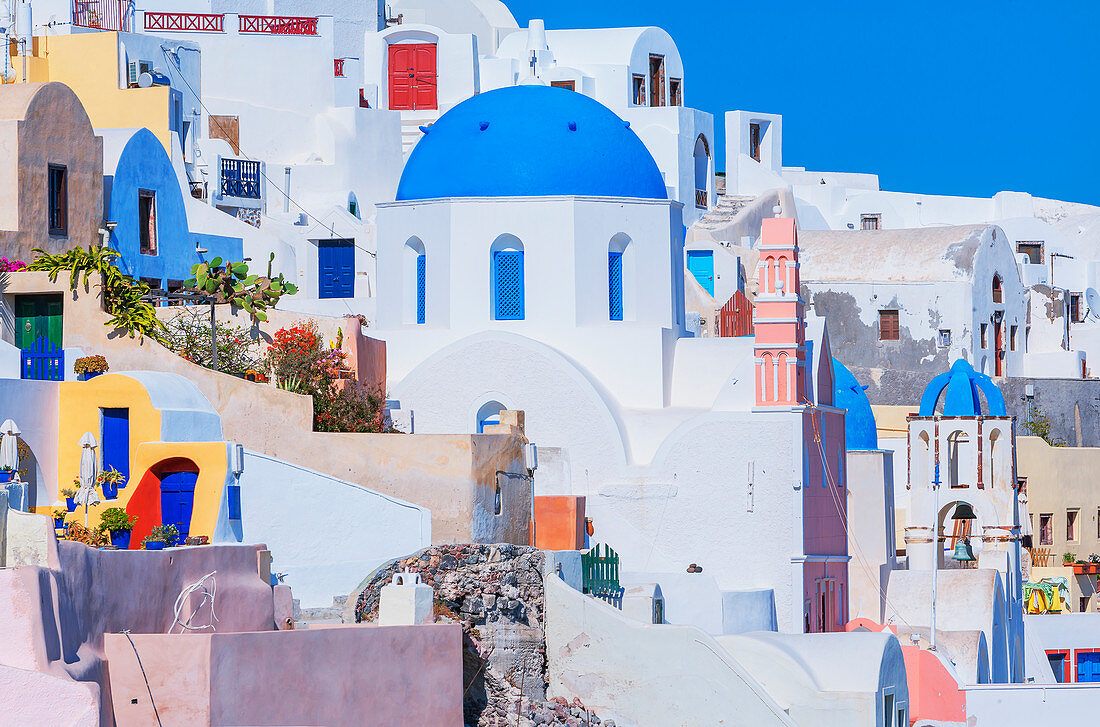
x,y
119,523
162,536
69,493
7,474
110,480
90,367
1068,558
59,514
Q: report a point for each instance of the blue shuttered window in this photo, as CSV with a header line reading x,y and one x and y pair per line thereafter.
x,y
615,285
1088,666
508,303
421,279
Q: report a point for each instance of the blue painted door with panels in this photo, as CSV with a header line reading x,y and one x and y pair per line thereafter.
x,y
336,268
701,265
177,500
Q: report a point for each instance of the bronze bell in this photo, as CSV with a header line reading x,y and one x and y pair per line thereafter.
x,y
964,512
963,552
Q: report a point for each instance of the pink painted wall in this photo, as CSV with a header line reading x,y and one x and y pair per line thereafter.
x,y
366,355
825,511
358,676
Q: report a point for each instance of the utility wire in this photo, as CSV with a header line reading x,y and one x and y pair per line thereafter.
x,y
126,633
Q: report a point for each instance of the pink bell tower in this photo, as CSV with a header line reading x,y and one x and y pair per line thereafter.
x,y
780,331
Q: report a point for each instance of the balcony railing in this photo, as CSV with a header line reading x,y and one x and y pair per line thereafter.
x,y
274,25
338,67
102,14
185,22
240,178
701,199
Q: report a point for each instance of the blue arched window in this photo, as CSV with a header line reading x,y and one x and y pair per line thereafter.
x,y
488,414
507,279
421,282
615,285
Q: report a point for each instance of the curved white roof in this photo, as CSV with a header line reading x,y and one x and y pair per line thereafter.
x,y
596,46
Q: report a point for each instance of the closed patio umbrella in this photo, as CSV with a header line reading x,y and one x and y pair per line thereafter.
x,y
87,494
9,445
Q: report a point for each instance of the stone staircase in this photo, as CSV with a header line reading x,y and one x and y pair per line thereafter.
x,y
723,212
410,130
329,616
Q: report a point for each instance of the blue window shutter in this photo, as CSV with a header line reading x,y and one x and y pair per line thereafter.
x,y
115,440
508,285
420,288
233,493
615,285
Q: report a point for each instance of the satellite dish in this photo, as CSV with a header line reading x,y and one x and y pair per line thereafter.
x,y
1092,297
145,80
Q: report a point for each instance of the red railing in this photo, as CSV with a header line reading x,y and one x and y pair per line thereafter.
x,y
736,317
102,14
275,25
338,67
194,22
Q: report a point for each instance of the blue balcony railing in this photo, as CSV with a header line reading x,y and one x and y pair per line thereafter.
x,y
240,178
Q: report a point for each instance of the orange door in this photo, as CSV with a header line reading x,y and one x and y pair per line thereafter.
x,y
413,76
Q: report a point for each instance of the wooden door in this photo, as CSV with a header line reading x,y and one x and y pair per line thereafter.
x,y
177,500
38,316
413,77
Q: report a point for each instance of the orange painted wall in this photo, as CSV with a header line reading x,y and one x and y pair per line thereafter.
x,y
559,522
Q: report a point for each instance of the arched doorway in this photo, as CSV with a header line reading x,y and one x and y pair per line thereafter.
x,y
165,496
702,173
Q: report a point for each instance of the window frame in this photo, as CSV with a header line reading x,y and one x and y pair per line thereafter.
x,y
57,200
1031,246
1073,519
1046,519
944,338
497,290
675,92
1013,331
754,141
873,217
985,335
998,289
885,314
615,291
567,83
421,288
147,226
638,90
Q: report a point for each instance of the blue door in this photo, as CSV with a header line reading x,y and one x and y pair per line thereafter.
x,y
177,500
115,440
336,268
701,265
1088,666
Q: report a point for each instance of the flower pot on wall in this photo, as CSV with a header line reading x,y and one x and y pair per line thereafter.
x,y
70,504
7,476
1086,569
89,375
120,539
58,523
155,545
110,491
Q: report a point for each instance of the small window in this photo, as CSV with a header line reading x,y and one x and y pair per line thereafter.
x,y
59,201
870,222
147,221
754,141
1071,525
498,502
153,283
888,326
985,336
888,708
508,282
639,90
1012,330
1046,528
945,337
1084,604
615,285
998,290
675,94
421,288
567,85
656,80
1074,307
1033,250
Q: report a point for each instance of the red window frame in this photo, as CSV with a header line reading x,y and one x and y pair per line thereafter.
x,y
1067,663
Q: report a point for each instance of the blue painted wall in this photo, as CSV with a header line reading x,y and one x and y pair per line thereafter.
x,y
143,164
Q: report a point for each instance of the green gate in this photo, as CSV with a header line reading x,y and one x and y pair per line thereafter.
x,y
601,571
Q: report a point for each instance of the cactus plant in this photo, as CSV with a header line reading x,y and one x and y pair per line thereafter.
x,y
231,283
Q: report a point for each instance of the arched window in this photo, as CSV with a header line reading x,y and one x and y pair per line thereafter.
x,y
998,291
769,378
957,443
619,289
353,205
488,414
702,172
507,279
416,292
918,473
996,454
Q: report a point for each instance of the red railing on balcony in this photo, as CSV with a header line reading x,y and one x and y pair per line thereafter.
x,y
102,14
338,67
194,22
275,25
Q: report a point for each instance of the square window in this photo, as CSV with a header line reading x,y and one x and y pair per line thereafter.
x,y
945,338
888,326
58,185
147,221
870,222
675,92
1075,308
1033,250
1046,528
1071,525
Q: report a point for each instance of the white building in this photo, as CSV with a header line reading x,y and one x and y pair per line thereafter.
x,y
532,261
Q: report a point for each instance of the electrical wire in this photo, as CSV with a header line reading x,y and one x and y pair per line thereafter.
x,y
149,689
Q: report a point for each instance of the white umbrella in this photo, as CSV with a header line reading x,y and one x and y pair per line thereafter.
x,y
87,494
9,445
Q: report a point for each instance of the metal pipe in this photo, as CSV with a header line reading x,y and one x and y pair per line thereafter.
x,y
213,337
286,199
936,550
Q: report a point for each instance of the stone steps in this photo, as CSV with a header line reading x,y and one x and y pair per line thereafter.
x,y
328,616
724,212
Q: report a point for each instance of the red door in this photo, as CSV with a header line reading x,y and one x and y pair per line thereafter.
x,y
413,77
998,352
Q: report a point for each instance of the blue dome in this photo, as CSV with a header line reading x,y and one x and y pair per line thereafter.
x,y
530,141
962,384
860,430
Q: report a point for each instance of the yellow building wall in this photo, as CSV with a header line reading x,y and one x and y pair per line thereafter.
x,y
80,403
88,63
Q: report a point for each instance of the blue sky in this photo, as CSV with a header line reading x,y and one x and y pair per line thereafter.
x,y
963,97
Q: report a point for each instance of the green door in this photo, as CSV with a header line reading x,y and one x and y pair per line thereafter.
x,y
38,316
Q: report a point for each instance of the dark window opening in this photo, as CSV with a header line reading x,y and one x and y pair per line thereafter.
x,y
870,222
498,503
656,80
675,92
1033,250
147,221
639,90
59,201
1046,529
567,85
754,141
888,325
998,290
985,336
1012,337
1075,308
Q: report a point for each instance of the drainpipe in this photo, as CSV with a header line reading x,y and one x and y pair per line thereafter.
x,y
937,550
286,199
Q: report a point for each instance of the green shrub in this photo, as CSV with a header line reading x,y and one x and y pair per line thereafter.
x,y
116,520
